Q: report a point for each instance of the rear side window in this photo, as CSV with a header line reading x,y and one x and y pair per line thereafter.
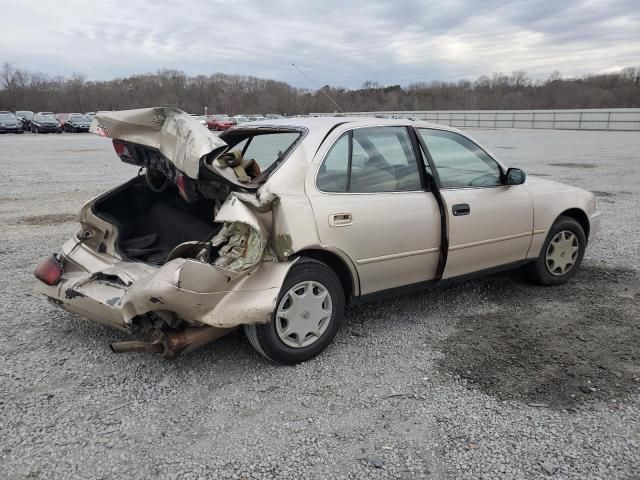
x,y
460,162
367,160
266,149
333,173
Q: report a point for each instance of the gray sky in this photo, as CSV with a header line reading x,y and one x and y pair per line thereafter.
x,y
336,42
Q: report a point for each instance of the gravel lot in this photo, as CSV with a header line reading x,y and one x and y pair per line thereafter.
x,y
493,378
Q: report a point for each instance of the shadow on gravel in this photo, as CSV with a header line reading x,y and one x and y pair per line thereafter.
x,y
51,219
574,165
559,346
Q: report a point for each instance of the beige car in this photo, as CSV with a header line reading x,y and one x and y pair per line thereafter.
x,y
275,226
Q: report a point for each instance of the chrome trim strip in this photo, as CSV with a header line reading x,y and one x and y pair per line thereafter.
x,y
393,256
491,240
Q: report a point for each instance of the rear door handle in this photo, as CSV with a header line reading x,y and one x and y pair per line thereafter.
x,y
461,209
340,219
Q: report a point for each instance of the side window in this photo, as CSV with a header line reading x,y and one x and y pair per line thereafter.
x,y
389,163
332,176
459,161
382,160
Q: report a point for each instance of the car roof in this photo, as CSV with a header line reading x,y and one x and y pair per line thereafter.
x,y
330,122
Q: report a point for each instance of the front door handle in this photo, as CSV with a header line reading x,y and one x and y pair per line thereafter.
x,y
461,209
340,219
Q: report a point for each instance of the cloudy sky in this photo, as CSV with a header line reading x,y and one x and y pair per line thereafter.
x,y
339,42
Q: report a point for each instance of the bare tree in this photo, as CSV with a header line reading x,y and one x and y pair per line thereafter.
x,y
21,89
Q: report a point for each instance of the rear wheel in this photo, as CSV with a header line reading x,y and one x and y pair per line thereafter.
x,y
561,254
308,315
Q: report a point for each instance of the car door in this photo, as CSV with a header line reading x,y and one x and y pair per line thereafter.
x,y
369,202
489,224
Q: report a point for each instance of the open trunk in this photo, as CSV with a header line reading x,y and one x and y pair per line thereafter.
x,y
190,176
151,224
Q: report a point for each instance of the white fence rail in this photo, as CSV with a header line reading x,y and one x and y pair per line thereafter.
x,y
627,119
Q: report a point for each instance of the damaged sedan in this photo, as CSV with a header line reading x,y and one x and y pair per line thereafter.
x,y
274,227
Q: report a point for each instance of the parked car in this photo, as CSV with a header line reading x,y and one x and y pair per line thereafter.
x,y
45,124
220,122
240,119
62,117
25,117
201,119
274,228
9,123
77,123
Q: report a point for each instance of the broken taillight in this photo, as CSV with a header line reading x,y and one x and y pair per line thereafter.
x,y
186,188
49,270
119,147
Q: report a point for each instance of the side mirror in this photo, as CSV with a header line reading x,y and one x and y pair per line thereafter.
x,y
515,176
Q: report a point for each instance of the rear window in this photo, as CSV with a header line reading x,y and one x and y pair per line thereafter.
x,y
267,149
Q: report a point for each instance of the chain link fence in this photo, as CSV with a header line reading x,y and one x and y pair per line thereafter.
x,y
625,119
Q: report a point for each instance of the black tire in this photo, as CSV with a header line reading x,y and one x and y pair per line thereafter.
x,y
538,271
264,337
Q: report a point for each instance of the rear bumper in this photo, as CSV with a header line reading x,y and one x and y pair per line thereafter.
x,y
198,293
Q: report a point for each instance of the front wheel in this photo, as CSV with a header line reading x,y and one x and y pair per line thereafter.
x,y
561,254
308,315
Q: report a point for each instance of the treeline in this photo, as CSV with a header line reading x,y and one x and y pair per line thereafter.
x,y
221,93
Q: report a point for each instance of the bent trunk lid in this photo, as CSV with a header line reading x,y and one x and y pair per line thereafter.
x,y
178,136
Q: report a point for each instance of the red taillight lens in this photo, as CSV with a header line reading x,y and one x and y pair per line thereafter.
x,y
49,270
181,183
119,147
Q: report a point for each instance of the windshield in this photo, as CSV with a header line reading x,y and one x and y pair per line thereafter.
x,y
220,117
7,117
45,118
80,118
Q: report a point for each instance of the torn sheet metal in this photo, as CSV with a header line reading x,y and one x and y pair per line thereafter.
x,y
243,240
176,134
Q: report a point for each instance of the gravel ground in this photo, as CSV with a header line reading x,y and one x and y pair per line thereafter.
x,y
492,378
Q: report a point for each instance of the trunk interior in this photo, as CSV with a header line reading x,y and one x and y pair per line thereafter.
x,y
151,224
